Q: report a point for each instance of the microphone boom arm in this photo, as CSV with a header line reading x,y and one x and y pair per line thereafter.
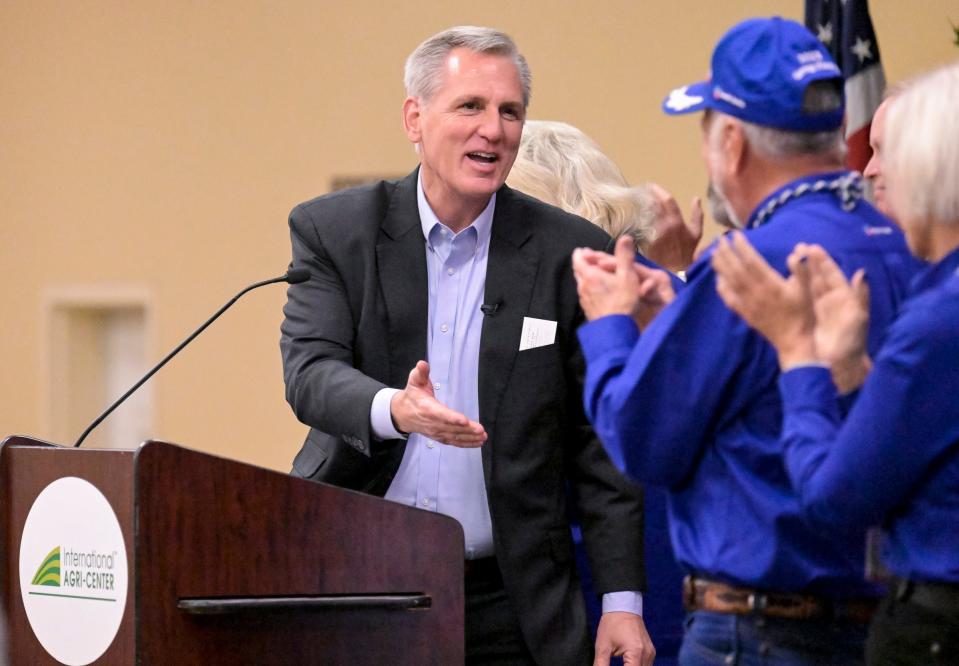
x,y
289,277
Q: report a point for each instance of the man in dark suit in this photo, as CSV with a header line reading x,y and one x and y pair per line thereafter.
x,y
452,266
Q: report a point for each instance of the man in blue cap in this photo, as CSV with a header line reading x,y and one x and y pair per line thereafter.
x,y
691,402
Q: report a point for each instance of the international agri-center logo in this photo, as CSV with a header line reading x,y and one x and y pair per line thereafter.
x,y
73,571
77,574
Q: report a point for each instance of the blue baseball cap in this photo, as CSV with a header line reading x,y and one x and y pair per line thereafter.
x,y
760,71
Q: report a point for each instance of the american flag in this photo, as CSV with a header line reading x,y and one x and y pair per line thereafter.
x,y
844,27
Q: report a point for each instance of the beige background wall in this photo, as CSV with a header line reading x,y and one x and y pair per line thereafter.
x,y
156,148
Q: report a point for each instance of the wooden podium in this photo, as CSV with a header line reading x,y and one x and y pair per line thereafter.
x,y
234,564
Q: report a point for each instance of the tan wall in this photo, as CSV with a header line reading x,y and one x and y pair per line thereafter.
x,y
158,146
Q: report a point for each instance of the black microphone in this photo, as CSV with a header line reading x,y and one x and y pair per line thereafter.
x,y
489,309
294,276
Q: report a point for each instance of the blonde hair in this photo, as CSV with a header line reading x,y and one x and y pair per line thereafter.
x,y
560,165
922,135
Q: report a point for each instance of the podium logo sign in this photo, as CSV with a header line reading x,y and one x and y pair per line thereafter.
x,y
73,571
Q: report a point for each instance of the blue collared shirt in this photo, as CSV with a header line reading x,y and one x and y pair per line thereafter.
x,y
693,404
895,459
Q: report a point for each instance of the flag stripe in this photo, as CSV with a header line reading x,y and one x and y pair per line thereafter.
x,y
863,96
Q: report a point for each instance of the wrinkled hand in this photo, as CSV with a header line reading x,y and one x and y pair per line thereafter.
x,y
674,245
842,317
779,308
622,634
618,285
416,409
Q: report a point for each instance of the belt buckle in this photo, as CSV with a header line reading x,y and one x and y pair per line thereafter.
x,y
757,603
689,593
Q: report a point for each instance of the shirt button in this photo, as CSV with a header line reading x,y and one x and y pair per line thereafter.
x,y
437,386
729,659
426,501
450,271
430,445
444,328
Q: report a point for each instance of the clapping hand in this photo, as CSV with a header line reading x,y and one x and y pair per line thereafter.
x,y
616,284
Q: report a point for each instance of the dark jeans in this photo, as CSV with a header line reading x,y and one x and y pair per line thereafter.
x,y
905,632
724,639
493,636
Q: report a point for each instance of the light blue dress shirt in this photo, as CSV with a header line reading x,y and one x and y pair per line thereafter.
x,y
435,476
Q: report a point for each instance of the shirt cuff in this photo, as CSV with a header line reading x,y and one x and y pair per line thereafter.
x,y
626,602
381,421
805,364
597,336
805,387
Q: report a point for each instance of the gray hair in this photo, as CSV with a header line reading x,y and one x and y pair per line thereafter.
x,y
424,67
785,144
922,132
819,97
559,164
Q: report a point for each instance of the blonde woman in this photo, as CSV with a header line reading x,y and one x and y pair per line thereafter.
x,y
559,164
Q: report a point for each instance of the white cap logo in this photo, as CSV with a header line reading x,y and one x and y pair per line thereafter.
x,y
680,101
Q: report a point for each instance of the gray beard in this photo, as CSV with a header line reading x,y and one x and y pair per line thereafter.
x,y
719,209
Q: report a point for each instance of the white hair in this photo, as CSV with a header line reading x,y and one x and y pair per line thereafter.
x,y
424,67
560,165
921,157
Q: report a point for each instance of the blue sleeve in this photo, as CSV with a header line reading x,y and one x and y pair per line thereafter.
x,y
678,285
853,473
654,399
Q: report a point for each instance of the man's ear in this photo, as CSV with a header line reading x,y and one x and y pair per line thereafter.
x,y
734,146
411,119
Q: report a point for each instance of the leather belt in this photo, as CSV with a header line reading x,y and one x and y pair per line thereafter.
x,y
483,567
717,597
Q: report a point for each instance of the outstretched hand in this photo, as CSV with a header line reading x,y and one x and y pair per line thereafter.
x,y
416,409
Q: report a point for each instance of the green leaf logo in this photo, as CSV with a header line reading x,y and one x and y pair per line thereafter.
x,y
49,571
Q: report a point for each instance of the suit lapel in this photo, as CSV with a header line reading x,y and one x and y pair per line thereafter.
x,y
510,276
401,263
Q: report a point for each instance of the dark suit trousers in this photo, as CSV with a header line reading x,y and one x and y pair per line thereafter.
x,y
493,636
906,630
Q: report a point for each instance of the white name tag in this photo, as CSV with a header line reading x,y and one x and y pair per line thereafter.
x,y
537,333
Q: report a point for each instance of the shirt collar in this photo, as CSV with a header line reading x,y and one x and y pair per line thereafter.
x,y
937,273
483,224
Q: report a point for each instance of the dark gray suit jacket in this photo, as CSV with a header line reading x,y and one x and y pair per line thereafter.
x,y
360,324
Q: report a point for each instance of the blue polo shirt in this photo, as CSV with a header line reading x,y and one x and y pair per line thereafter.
x,y
693,404
895,459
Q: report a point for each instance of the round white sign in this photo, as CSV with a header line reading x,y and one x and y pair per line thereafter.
x,y
73,571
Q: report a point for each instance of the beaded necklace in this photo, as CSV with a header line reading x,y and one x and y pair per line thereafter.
x,y
848,187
